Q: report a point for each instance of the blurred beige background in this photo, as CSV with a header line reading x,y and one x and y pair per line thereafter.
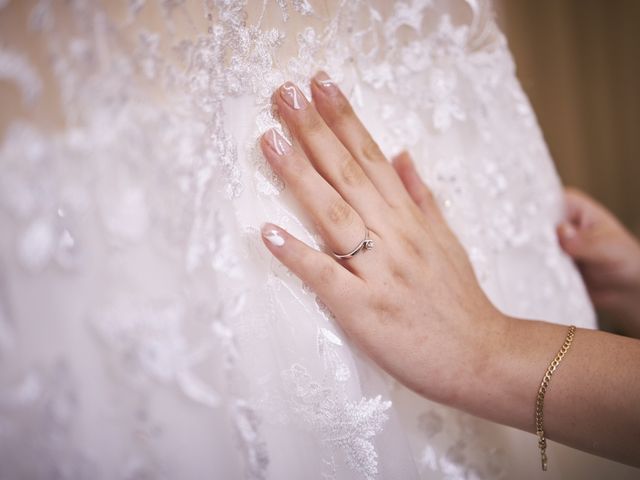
x,y
579,62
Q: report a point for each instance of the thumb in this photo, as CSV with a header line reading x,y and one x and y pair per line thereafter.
x,y
571,240
578,232
579,243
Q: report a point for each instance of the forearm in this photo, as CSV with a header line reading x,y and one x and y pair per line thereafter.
x,y
593,402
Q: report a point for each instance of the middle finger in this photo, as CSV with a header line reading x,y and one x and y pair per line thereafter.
x,y
330,157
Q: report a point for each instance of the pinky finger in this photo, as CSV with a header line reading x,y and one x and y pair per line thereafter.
x,y
417,189
322,273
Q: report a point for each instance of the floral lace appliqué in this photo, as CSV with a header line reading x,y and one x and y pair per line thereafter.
x,y
345,426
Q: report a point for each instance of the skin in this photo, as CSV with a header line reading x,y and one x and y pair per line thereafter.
x,y
608,257
413,303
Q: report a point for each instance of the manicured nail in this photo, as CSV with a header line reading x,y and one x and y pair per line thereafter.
x,y
272,235
567,230
277,142
325,83
293,96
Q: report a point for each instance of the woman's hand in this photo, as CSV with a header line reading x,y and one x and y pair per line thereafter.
x,y
411,302
608,257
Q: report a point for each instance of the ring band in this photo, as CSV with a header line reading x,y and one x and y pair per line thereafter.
x,y
366,244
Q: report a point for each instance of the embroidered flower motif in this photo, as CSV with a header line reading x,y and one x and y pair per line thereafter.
x,y
348,427
158,171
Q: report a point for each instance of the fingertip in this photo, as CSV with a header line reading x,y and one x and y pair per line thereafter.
x,y
264,142
272,235
402,160
268,152
321,79
567,238
567,231
275,145
406,170
581,209
317,269
329,100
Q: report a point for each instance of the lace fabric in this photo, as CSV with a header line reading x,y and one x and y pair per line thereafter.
x,y
144,330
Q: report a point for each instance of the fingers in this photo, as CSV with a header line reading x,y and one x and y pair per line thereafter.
x,y
329,156
337,113
569,240
580,233
417,189
338,223
580,209
587,246
318,270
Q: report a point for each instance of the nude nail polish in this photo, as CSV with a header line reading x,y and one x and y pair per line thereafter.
x,y
278,142
326,84
293,96
273,236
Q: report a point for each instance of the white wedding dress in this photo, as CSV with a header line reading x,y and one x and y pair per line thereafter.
x,y
145,331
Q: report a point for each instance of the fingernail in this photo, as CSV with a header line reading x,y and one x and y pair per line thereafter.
x,y
277,142
325,83
293,96
567,230
272,235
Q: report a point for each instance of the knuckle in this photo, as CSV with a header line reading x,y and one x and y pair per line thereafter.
x,y
429,198
312,123
427,193
343,109
385,310
326,273
370,150
340,212
409,245
298,173
399,276
415,213
351,173
312,268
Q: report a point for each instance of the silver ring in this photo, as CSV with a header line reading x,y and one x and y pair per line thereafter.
x,y
366,244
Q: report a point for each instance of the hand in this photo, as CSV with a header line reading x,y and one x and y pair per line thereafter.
x,y
608,257
411,302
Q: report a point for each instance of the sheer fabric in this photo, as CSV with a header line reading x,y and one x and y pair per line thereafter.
x,y
145,332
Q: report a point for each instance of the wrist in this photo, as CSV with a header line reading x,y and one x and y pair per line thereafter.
x,y
479,352
455,360
513,361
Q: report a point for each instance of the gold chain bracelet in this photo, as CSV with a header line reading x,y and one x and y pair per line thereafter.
x,y
544,385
